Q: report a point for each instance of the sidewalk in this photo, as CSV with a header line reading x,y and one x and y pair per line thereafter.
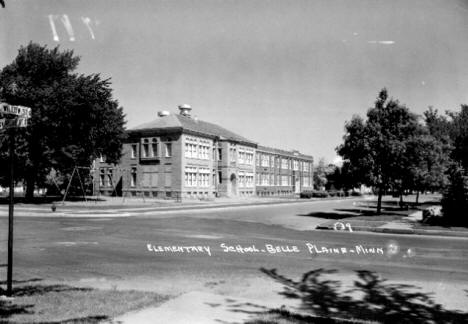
x,y
132,207
198,308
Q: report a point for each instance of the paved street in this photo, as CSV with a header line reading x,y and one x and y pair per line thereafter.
x,y
114,253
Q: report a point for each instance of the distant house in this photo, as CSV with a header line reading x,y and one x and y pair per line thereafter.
x,y
178,156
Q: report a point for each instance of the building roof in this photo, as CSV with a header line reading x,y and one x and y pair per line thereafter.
x,y
192,125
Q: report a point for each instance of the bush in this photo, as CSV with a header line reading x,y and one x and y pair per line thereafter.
x,y
313,194
356,194
319,194
306,194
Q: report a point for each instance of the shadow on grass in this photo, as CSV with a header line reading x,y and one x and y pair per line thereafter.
x,y
81,320
330,215
10,307
389,208
377,299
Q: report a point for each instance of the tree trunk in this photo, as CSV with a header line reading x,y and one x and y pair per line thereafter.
x,y
379,201
417,197
401,200
30,185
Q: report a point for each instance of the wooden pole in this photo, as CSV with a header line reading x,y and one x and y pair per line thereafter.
x,y
10,214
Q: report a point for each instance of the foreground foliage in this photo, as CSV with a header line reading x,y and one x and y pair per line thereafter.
x,y
378,300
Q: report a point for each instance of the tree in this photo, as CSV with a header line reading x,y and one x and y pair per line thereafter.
x,y
458,131
429,162
341,178
455,197
320,174
376,148
74,116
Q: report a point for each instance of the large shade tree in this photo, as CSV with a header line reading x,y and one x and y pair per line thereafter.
x,y
74,116
455,198
375,148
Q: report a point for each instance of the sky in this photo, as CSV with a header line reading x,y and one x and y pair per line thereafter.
x,y
285,74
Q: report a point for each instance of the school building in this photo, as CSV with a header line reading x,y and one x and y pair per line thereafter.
x,y
177,156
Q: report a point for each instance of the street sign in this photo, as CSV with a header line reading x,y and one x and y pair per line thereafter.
x,y
15,110
22,122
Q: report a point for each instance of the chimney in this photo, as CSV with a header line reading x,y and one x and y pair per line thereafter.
x,y
163,113
184,110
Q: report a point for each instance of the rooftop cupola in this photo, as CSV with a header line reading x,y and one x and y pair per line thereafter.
x,y
184,110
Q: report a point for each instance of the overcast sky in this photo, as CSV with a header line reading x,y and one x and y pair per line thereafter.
x,y
286,74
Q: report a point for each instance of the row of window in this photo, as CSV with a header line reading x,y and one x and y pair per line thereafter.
x,y
200,177
265,179
197,151
246,180
266,160
197,177
150,149
198,148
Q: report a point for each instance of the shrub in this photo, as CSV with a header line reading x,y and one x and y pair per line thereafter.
x,y
313,194
356,194
306,194
319,194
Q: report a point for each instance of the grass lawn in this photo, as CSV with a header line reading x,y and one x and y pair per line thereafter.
x,y
361,222
66,304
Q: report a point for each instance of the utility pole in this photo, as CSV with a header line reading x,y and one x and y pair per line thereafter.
x,y
10,214
16,116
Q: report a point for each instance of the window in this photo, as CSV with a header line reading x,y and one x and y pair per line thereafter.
x,y
102,177
295,165
190,177
190,150
241,157
249,158
133,153
220,154
284,180
168,149
133,177
154,148
265,160
249,182
145,148
109,178
232,154
284,164
204,177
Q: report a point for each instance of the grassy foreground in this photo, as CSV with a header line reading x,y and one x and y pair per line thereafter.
x,y
66,304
